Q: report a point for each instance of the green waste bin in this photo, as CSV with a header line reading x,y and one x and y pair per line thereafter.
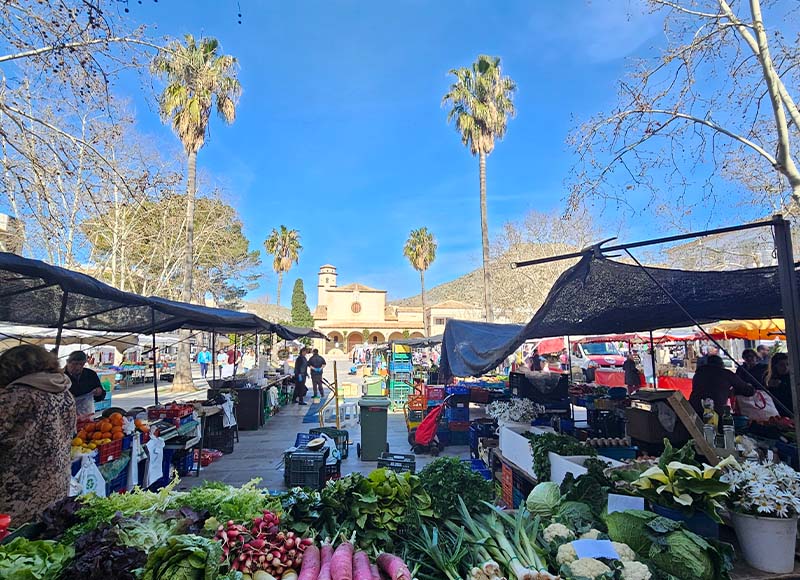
x,y
374,413
373,386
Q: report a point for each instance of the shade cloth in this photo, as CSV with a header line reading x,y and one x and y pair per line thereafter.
x,y
773,329
471,348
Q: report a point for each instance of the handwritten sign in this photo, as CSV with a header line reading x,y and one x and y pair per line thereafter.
x,y
620,503
595,549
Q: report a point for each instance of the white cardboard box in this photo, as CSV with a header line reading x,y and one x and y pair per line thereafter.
x,y
516,448
561,465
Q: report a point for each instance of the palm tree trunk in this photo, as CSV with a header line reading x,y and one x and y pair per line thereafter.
x,y
487,289
425,319
183,366
278,295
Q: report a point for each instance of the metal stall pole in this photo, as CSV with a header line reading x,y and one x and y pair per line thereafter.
x,y
155,375
214,356
653,362
569,359
62,314
336,393
791,308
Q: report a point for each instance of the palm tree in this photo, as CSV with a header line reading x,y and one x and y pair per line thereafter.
x,y
284,245
420,249
198,77
481,100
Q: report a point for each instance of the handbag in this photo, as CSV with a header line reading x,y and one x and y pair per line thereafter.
x,y
759,407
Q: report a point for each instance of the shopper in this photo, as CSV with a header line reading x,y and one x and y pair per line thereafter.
x,y
86,387
534,362
752,369
763,354
633,379
714,381
317,364
222,360
779,383
204,358
710,351
300,377
37,423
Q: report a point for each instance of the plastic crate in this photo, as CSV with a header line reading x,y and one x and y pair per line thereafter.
x,y
415,416
458,391
443,437
618,453
185,464
340,436
479,395
479,467
433,403
306,469
223,442
127,442
109,452
400,367
459,437
118,484
398,462
413,424
459,414
517,498
214,425
460,426
417,402
434,393
333,470
303,439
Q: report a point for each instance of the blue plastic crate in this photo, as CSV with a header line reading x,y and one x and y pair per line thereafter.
x,y
303,439
444,437
459,437
458,390
479,467
618,453
127,442
185,464
518,498
457,414
118,484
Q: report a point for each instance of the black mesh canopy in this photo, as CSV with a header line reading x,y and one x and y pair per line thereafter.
x,y
33,293
602,296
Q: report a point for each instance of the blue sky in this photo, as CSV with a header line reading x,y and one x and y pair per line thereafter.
x,y
340,133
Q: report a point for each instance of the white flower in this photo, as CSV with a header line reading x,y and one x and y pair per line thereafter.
x,y
765,489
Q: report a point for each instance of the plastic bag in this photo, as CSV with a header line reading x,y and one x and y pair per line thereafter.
x,y
133,466
89,478
759,407
155,459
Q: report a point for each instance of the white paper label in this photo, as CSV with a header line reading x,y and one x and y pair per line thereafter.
x,y
595,549
620,503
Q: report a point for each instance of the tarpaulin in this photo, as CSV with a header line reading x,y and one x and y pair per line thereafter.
x,y
469,349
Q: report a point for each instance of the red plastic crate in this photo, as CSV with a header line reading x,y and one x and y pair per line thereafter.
x,y
458,425
109,452
434,393
417,403
506,480
479,395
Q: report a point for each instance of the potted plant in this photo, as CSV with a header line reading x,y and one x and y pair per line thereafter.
x,y
680,488
765,502
519,411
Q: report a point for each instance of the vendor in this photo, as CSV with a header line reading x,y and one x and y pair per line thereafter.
x,y
714,381
633,379
36,428
534,362
86,387
752,368
779,383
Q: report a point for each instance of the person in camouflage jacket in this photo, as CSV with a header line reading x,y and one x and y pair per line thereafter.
x,y
37,423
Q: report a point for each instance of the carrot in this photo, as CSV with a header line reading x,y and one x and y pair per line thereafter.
x,y
393,567
326,555
361,569
342,561
375,573
311,564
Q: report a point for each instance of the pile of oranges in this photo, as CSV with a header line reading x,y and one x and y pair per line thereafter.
x,y
142,425
97,433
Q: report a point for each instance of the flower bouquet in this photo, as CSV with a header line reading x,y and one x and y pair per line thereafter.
x,y
514,411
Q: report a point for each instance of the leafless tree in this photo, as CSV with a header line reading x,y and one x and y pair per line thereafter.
x,y
717,102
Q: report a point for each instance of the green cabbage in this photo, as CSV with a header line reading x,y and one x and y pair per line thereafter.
x,y
670,548
544,499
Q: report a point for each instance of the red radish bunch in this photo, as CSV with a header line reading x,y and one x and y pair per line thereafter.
x,y
263,547
346,563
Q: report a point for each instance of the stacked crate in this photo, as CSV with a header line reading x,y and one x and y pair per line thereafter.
x,y
434,396
417,407
457,414
400,374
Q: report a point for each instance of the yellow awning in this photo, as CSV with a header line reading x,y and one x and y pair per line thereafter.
x,y
772,329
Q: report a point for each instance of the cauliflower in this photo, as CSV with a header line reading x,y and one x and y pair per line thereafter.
x,y
588,567
624,551
554,531
635,571
566,554
591,535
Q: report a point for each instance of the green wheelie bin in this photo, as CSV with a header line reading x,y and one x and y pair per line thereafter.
x,y
374,418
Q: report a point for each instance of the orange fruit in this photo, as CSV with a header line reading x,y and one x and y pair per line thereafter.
x,y
116,429
81,435
116,420
97,435
89,428
106,426
117,435
78,441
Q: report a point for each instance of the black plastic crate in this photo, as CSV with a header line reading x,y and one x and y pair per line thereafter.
x,y
398,462
222,441
415,416
306,469
333,470
340,436
214,425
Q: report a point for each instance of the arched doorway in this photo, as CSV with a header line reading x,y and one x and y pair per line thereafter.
x,y
353,340
335,342
417,335
395,336
376,338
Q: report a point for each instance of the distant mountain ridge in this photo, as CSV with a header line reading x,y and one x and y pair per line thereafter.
x,y
269,312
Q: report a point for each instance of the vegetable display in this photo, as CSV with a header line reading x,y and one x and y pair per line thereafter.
x,y
446,479
565,445
184,558
22,559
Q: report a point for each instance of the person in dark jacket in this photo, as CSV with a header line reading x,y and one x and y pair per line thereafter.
x,y
714,381
633,379
779,383
317,364
300,377
86,386
752,369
